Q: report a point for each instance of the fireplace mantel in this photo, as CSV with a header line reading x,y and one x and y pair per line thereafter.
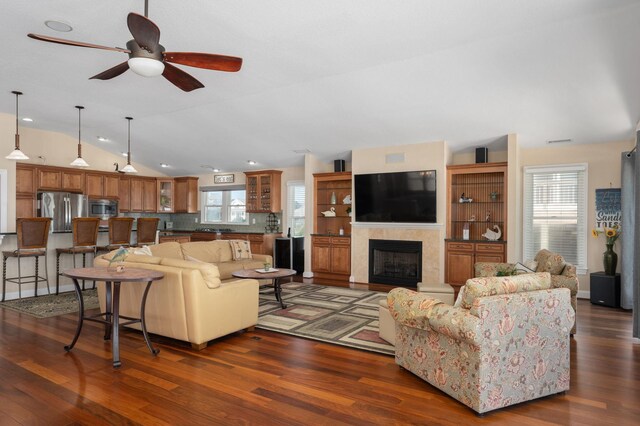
x,y
396,225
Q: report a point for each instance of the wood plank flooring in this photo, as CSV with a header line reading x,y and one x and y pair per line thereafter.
x,y
266,378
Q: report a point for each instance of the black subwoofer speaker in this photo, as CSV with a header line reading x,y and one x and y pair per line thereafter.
x,y
482,155
338,165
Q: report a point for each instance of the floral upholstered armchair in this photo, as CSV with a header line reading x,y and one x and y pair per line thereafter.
x,y
505,341
563,274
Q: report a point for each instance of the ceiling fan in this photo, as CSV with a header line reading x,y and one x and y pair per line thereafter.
x,y
147,56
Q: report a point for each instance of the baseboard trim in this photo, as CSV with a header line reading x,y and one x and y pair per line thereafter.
x,y
584,294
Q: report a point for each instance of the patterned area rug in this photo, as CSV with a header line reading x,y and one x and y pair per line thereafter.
x,y
338,315
52,305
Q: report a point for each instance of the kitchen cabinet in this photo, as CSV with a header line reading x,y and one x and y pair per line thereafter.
x,y
331,256
186,195
263,191
124,194
260,243
143,195
101,185
181,238
25,206
165,189
60,179
477,200
25,179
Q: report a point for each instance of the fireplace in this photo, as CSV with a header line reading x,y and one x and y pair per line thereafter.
x,y
395,262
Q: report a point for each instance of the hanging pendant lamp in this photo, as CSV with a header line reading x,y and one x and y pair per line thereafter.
x,y
129,168
79,162
16,154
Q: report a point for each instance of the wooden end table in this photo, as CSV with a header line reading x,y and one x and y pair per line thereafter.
x,y
276,275
112,315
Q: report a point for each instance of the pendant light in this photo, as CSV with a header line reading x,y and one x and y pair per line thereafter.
x,y
16,154
129,168
79,162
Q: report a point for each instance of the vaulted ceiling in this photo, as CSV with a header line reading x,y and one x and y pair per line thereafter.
x,y
328,76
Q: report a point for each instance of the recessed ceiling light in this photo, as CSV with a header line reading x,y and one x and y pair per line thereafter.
x,y
103,139
27,119
251,162
58,26
164,165
215,170
124,154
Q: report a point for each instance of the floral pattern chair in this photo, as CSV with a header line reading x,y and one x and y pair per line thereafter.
x,y
505,341
563,274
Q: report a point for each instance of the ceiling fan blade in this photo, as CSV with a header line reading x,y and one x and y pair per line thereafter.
x,y
180,78
144,31
75,43
112,72
205,60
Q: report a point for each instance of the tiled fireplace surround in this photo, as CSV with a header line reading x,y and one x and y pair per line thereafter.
x,y
432,247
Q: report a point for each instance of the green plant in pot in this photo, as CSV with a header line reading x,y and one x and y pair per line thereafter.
x,y
349,211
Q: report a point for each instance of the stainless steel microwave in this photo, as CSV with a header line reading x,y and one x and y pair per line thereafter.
x,y
104,209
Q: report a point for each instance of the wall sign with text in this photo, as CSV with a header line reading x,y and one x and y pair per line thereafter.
x,y
608,208
223,178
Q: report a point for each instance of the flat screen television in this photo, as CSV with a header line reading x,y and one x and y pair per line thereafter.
x,y
407,197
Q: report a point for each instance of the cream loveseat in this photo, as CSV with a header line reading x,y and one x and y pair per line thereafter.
x,y
197,300
505,340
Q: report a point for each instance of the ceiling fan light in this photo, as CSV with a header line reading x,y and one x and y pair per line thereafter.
x,y
79,162
16,154
146,67
129,169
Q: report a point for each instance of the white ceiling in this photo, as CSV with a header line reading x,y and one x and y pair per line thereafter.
x,y
331,75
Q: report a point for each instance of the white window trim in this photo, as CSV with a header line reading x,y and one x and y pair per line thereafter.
x,y
582,268
225,207
289,217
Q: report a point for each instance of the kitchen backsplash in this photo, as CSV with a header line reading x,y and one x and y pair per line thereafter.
x,y
191,221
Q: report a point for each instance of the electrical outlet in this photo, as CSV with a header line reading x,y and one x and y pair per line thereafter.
x,y
253,221
196,219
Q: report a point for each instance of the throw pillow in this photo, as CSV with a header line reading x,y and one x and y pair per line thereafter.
x,y
144,250
240,249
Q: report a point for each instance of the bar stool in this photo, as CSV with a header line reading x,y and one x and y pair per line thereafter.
x,y
33,235
119,233
146,230
85,238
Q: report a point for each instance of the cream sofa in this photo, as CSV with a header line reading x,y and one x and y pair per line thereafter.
x,y
198,300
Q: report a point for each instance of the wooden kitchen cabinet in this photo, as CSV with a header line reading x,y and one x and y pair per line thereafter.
x,y
111,186
143,195
60,179
25,206
461,256
135,193
101,185
165,189
331,257
263,191
124,194
150,196
260,243
25,179
186,195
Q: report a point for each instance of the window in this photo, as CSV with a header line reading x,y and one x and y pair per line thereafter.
x,y
295,207
224,206
555,213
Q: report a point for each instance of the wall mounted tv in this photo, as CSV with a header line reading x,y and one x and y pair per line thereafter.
x,y
408,197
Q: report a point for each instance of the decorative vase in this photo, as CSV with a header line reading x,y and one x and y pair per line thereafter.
x,y
610,260
333,198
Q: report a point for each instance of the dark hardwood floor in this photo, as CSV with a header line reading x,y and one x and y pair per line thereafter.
x,y
265,378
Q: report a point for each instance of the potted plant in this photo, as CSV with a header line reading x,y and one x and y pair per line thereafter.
x,y
349,211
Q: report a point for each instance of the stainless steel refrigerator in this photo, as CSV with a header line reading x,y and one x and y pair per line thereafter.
x,y
61,207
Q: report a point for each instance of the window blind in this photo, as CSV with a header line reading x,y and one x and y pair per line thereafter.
x,y
555,213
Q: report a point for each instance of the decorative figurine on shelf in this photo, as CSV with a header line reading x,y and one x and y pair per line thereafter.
x,y
347,199
333,198
488,217
473,218
494,196
464,199
349,211
493,235
329,213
